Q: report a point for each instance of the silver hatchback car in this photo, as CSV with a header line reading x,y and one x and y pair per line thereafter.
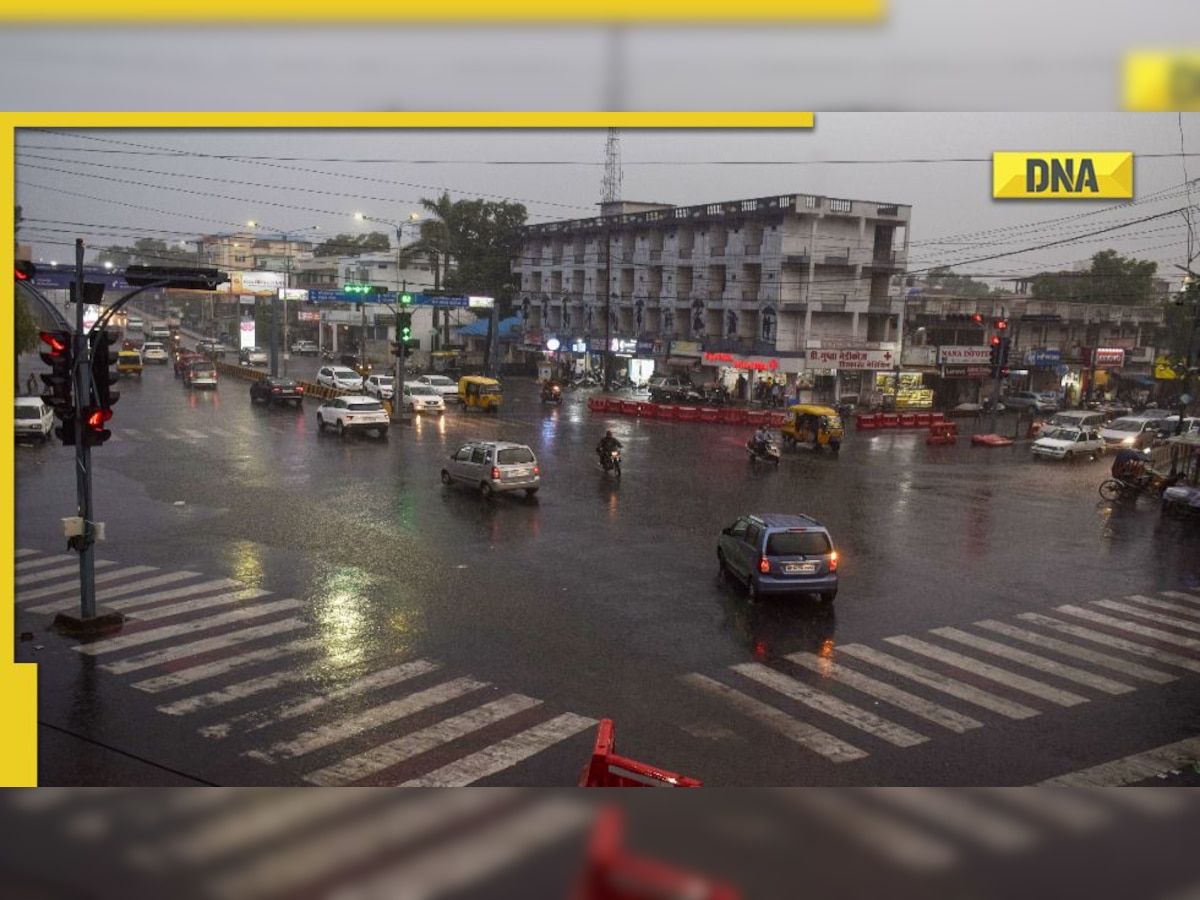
x,y
493,467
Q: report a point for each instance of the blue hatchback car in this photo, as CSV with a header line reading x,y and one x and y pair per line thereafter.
x,y
780,553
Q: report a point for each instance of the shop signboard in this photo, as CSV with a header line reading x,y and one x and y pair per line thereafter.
x,y
961,371
1043,358
863,360
964,355
648,347
624,346
1108,358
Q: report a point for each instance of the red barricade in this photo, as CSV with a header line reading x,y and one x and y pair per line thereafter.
x,y
937,417
668,412
710,414
908,420
756,417
866,421
924,420
648,410
687,413
628,407
607,769
776,418
597,404
942,433
889,420
733,415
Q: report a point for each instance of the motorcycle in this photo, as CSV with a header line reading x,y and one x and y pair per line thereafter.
x,y
552,393
611,461
327,355
768,451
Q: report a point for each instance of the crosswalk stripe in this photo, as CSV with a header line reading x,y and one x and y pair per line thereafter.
x,y
211,670
1072,810
156,596
262,718
152,635
1100,637
73,586
170,654
107,594
808,736
878,831
1155,634
926,709
1041,663
132,432
1181,609
990,672
166,435
1148,615
960,814
207,603
322,736
58,559
1137,767
393,752
23,552
450,868
1105,660
831,706
940,682
193,435
1154,801
63,571
1180,595
243,689
504,754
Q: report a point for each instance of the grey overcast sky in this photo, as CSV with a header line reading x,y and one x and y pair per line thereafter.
x,y
116,186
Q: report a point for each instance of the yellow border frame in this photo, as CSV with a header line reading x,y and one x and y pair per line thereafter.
x,y
75,12
18,682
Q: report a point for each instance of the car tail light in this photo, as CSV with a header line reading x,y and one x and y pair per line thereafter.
x,y
537,470
764,565
495,474
833,560
300,389
274,390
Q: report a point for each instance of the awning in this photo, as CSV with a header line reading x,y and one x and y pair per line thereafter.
x,y
1147,380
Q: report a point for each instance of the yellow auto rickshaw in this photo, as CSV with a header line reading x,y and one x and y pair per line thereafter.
x,y
813,426
129,362
482,393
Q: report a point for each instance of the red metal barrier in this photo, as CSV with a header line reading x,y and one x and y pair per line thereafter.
x,y
756,417
648,410
710,414
628,407
924,420
935,418
607,769
733,415
866,421
776,418
889,420
908,420
668,412
687,413
611,873
597,404
943,433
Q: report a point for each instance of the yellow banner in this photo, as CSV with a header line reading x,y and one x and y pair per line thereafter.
x,y
1157,81
1164,369
465,11
1056,175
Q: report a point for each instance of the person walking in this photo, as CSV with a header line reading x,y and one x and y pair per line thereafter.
x,y
741,387
31,384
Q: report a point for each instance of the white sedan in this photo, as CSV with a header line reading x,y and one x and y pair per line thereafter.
x,y
340,378
1069,444
354,413
381,386
444,385
421,398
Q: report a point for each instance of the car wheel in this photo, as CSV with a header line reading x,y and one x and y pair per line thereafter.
x,y
828,596
446,479
722,571
383,434
341,428
1069,456
530,492
486,490
320,423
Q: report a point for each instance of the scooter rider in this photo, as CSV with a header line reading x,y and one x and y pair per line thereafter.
x,y
761,438
607,444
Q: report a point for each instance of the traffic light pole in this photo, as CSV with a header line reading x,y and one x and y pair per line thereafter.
x,y
83,452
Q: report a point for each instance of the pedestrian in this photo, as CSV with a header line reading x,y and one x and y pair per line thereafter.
x,y
741,387
31,384
777,395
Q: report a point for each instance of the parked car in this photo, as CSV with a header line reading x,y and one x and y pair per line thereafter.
x,y
185,359
670,389
1069,444
444,385
34,419
340,378
777,553
419,398
201,373
305,348
253,356
494,467
1138,432
1031,400
129,362
1170,423
271,389
354,413
380,386
1076,418
212,349
154,352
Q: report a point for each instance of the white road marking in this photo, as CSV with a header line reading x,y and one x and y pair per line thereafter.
x,y
193,435
960,814
379,758
325,735
152,635
144,599
831,706
919,706
1179,608
1180,595
505,754
808,736
1155,634
1072,810
106,595
1105,660
222,666
1108,640
58,559
1148,615
243,689
205,603
166,435
1041,663
65,570
1130,769
73,586
26,552
940,682
170,654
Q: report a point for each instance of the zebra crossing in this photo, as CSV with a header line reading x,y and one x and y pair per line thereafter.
x,y
187,435
847,700
244,669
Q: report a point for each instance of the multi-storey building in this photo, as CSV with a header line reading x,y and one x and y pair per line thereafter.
x,y
744,284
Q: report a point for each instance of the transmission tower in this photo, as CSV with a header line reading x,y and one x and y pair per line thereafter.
x,y
611,191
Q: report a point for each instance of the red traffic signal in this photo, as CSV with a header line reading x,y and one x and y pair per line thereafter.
x,y
977,319
995,340
1002,324
24,270
94,432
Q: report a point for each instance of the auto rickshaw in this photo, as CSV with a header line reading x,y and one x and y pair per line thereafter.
x,y
479,392
129,362
814,426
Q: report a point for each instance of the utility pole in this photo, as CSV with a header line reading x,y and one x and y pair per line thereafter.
x,y
83,452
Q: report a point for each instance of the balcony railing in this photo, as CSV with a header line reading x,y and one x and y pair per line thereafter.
x,y
796,259
753,250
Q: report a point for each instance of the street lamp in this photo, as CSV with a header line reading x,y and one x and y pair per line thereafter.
x,y
286,237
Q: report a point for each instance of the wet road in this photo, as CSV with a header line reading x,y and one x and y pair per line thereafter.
x,y
390,630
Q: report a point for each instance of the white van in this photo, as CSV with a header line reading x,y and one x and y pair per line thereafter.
x,y
133,323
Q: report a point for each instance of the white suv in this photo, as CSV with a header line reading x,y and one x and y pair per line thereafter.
x,y
152,351
302,348
340,378
356,413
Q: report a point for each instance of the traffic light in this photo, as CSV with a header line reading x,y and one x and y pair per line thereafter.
x,y
404,327
103,378
995,354
24,270
93,292
363,289
395,348
61,378
406,299
977,318
1002,324
1004,345
94,432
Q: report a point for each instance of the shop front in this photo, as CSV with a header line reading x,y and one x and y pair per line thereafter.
x,y
867,376
1102,373
753,378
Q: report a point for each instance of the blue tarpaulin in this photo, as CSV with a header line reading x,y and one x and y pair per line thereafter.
x,y
509,329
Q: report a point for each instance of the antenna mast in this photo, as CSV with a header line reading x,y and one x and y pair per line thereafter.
x,y
611,191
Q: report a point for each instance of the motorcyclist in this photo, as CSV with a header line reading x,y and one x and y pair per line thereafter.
x,y
607,445
761,438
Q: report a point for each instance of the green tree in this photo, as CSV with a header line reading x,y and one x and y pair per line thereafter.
x,y
1111,278
477,241
27,326
943,279
146,252
353,244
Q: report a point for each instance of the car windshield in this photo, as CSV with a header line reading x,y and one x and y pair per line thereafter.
x,y
798,543
514,456
1062,434
440,380
28,412
423,390
365,406
385,381
1126,425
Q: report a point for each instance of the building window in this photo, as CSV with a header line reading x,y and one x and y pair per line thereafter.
x,y
842,206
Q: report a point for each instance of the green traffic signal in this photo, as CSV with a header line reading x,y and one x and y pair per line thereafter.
x,y
405,299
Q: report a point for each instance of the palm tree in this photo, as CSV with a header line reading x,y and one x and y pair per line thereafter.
x,y
436,243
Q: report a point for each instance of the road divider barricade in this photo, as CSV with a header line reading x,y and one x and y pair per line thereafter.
x,y
648,410
687,413
606,768
942,433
